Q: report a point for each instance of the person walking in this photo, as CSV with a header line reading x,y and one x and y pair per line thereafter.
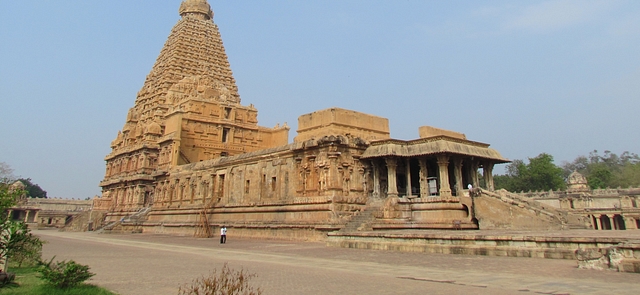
x,y
223,235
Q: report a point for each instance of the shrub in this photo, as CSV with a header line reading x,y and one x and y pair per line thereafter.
x,y
27,252
227,282
64,274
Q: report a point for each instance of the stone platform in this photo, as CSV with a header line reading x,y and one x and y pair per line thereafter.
x,y
561,244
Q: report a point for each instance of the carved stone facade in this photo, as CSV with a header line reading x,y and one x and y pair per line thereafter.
x,y
187,111
605,209
195,156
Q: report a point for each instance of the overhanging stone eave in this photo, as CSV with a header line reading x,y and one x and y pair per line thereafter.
x,y
416,148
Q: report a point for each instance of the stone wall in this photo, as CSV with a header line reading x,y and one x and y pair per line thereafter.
x,y
296,189
429,131
337,121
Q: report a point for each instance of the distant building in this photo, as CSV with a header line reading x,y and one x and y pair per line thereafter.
x,y
606,209
41,212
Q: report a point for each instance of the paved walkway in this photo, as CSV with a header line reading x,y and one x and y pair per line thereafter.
x,y
157,264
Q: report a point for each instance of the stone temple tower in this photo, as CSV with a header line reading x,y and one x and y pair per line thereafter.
x,y
187,111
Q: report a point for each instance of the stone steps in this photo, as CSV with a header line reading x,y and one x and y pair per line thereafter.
x,y
362,221
133,220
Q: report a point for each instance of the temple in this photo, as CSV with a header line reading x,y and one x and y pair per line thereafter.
x,y
191,157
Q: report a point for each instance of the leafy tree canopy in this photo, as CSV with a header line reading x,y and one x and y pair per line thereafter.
x,y
15,237
33,190
608,170
540,174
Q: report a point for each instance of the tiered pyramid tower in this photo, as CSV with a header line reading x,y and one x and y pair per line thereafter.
x,y
187,111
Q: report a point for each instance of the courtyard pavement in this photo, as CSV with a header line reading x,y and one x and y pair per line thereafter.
x,y
143,264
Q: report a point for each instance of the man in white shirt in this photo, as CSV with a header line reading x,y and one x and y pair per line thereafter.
x,y
223,235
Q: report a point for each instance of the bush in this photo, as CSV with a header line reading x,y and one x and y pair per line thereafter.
x,y
227,282
27,252
64,274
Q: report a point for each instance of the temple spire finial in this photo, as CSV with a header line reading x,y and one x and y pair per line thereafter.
x,y
196,8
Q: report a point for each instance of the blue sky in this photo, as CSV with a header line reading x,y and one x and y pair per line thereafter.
x,y
561,77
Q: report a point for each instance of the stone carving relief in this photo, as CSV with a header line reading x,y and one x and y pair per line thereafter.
x,y
202,88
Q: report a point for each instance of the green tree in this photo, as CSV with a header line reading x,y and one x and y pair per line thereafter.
x,y
607,170
540,174
599,176
15,237
33,190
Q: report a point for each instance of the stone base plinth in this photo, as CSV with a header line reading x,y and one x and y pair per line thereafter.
x,y
554,246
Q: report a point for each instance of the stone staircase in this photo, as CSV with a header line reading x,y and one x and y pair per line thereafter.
x,y
108,227
134,219
139,216
362,220
77,223
527,209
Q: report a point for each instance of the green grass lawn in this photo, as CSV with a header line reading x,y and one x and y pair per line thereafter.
x,y
28,283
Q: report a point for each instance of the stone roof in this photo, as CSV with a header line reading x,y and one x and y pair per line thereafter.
x,y
194,48
576,182
196,7
192,55
432,146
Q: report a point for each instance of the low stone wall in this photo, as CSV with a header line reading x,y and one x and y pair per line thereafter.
x,y
281,232
623,258
476,243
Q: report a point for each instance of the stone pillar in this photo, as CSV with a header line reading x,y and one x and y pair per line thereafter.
x,y
198,188
487,171
334,181
408,176
203,191
120,196
612,221
457,172
376,179
219,186
193,191
212,188
186,190
599,222
141,195
163,193
365,178
424,186
473,173
175,197
443,165
630,223
392,187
